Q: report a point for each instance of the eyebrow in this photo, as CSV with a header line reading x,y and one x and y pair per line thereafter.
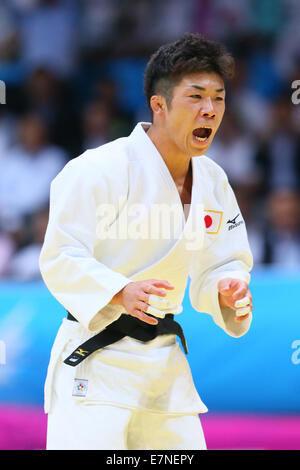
x,y
218,90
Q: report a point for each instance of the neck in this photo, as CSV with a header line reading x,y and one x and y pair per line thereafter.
x,y
177,162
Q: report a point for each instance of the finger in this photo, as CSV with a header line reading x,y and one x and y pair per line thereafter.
x,y
242,302
155,291
156,301
144,297
227,286
243,311
155,311
240,319
146,308
165,284
142,306
226,290
143,317
240,292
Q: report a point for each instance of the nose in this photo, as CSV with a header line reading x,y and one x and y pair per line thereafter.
x,y
207,109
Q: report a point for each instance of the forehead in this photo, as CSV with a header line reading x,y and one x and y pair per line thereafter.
x,y
209,81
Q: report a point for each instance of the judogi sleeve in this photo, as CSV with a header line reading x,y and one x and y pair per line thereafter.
x,y
81,283
224,255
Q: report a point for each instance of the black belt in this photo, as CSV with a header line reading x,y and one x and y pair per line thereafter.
x,y
126,325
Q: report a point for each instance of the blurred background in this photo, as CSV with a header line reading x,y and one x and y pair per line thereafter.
x,y
73,71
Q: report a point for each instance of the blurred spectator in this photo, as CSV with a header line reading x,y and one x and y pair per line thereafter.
x,y
27,171
235,151
97,121
263,77
160,22
15,237
44,94
253,110
252,210
106,91
230,19
97,28
287,40
8,33
24,263
102,123
134,27
23,5
7,249
267,16
7,132
49,35
128,77
203,17
279,242
278,155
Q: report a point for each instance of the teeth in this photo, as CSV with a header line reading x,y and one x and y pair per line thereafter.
x,y
205,137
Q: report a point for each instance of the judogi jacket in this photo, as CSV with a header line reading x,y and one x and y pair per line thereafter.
x,y
116,217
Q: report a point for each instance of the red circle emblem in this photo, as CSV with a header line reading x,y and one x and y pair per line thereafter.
x,y
208,221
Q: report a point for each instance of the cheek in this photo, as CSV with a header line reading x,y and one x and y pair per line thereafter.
x,y
221,113
178,126
220,116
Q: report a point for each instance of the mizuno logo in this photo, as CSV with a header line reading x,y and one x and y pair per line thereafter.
x,y
233,223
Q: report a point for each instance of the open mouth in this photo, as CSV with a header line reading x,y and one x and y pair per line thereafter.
x,y
202,133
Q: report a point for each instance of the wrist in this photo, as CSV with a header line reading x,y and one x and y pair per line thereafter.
x,y
222,301
117,298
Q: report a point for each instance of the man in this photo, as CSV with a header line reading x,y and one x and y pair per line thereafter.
x,y
129,222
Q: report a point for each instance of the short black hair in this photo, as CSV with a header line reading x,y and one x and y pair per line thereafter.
x,y
191,53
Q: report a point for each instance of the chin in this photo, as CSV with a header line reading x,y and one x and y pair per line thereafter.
x,y
196,152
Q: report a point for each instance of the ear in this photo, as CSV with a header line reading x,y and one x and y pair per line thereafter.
x,y
158,105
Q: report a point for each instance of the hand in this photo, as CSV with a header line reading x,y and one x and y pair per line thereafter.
x,y
234,293
141,297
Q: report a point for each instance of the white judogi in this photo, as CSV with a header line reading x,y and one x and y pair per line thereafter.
x,y
116,217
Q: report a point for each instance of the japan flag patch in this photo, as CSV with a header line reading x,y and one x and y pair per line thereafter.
x,y
212,221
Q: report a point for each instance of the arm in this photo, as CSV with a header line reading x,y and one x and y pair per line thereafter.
x,y
76,279
226,257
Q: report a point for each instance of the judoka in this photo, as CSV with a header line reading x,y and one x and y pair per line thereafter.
x,y
129,223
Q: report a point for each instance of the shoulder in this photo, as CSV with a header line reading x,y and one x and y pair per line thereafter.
x,y
210,169
108,162
213,179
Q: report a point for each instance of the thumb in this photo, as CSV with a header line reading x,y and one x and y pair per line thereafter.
x,y
225,287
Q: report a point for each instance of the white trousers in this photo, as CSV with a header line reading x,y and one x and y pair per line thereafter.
x,y
79,426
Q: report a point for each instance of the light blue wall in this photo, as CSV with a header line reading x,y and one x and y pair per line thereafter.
x,y
259,372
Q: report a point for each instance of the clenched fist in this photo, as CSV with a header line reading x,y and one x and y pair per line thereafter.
x,y
142,297
234,293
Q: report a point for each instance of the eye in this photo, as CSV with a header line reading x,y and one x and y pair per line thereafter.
x,y
196,96
219,98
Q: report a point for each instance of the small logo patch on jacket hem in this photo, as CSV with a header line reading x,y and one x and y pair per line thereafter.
x,y
80,388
